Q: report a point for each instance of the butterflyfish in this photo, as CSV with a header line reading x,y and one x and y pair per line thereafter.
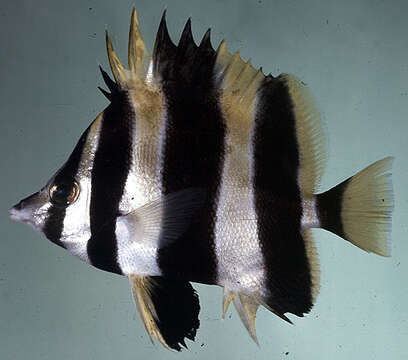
x,y
204,169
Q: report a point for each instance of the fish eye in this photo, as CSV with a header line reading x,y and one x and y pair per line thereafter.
x,y
64,194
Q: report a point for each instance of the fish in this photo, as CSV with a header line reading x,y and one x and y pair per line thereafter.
x,y
204,169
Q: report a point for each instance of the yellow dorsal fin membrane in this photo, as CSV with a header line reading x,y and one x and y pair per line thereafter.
x,y
238,79
138,57
310,136
185,62
118,70
169,309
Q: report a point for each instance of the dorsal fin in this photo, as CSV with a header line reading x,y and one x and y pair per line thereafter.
x,y
239,80
184,63
138,57
206,41
164,47
186,40
118,70
112,86
105,93
310,135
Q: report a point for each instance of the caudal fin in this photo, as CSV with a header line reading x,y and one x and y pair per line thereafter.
x,y
359,209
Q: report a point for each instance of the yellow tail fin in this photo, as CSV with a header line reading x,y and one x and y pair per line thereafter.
x,y
359,209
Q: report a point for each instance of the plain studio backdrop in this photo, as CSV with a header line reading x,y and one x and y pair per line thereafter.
x,y
353,56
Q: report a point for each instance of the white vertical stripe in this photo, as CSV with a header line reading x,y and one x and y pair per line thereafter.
x,y
240,260
76,227
142,186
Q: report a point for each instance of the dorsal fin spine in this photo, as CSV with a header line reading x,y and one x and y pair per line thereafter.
x,y
252,87
112,86
231,72
223,60
138,57
105,93
238,79
206,41
244,79
162,40
186,38
117,68
236,61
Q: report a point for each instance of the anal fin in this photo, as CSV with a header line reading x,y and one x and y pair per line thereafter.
x,y
246,306
168,308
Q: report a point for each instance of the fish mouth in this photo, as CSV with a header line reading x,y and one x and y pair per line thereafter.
x,y
14,214
19,215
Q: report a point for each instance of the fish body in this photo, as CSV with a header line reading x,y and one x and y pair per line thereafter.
x,y
203,169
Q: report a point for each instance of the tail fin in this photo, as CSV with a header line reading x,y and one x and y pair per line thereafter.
x,y
359,209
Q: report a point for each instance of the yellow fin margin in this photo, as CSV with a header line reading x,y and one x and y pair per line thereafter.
x,y
314,264
138,57
310,135
141,287
240,80
312,153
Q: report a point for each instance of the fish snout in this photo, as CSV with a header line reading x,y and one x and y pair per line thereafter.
x,y
22,211
17,207
15,212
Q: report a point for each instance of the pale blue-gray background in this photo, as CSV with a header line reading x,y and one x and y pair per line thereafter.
x,y
354,57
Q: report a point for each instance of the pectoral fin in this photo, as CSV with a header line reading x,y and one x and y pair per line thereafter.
x,y
169,309
153,223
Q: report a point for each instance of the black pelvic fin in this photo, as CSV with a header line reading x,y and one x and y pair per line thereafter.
x,y
169,309
177,306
